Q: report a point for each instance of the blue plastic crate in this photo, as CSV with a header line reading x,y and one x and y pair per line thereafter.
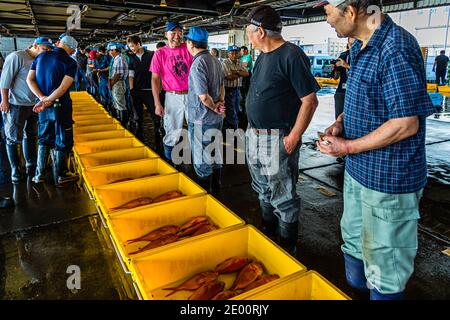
x,y
436,98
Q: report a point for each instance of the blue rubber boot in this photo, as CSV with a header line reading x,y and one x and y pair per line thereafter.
x,y
354,272
168,153
377,295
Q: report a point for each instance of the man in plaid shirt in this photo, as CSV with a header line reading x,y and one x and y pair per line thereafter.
x,y
382,133
116,82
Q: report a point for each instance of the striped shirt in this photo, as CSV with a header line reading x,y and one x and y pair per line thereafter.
x,y
387,81
119,66
229,67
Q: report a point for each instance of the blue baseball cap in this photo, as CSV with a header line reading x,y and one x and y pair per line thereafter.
x,y
69,41
197,34
170,26
62,35
233,48
115,46
44,41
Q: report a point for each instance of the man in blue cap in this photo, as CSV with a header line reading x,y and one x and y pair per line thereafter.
x,y
50,77
205,108
17,108
118,74
101,68
170,65
234,71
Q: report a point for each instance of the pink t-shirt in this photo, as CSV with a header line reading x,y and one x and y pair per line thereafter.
x,y
173,66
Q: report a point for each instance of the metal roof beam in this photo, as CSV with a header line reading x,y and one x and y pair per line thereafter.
x,y
144,7
62,24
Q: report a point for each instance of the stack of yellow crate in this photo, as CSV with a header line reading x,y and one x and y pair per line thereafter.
x,y
106,154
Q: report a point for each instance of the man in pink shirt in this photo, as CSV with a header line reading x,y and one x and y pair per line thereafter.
x,y
170,66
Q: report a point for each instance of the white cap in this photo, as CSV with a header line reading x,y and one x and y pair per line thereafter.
x,y
334,3
69,42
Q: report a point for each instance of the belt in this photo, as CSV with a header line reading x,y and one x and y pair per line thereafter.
x,y
269,132
178,92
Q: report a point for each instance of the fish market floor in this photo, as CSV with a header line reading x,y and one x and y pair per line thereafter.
x,y
54,234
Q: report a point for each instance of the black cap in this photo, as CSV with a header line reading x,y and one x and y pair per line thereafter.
x,y
266,17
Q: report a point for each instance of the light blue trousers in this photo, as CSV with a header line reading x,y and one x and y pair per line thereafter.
x,y
381,230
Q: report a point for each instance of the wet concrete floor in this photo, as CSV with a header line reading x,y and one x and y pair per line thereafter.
x,y
52,229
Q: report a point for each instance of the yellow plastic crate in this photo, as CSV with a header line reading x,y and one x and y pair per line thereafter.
x,y
114,195
96,128
106,145
103,135
99,116
128,226
107,174
96,159
169,267
88,111
84,123
304,286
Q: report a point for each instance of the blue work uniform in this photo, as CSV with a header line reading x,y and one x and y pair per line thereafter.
x,y
55,123
102,63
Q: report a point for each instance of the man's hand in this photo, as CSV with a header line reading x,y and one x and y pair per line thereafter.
x,y
336,129
334,146
4,106
39,107
290,143
159,110
342,63
220,108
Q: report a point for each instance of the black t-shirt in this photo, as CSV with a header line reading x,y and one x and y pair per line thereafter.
x,y
280,78
343,72
141,68
442,61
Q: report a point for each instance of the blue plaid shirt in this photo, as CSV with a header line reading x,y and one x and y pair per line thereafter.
x,y
387,81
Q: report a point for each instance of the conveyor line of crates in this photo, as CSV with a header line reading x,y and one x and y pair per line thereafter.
x,y
106,154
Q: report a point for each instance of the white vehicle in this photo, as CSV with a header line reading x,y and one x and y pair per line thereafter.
x,y
320,64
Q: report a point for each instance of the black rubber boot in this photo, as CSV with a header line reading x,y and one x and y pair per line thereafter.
x,y
42,160
269,219
205,183
289,237
15,161
64,175
6,202
29,152
216,181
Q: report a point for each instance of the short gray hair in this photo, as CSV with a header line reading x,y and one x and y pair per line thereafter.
x,y
269,33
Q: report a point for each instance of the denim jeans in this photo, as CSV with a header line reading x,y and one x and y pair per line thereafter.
x,y
232,101
5,175
20,122
104,92
55,128
200,137
381,230
274,173
81,80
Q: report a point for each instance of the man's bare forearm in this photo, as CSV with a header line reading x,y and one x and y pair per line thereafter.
x,y
156,88
305,115
392,131
208,101
32,84
5,94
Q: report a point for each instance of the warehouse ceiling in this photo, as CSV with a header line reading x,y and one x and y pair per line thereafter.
x,y
103,20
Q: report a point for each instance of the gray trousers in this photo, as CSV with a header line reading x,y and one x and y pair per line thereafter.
x,y
20,122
